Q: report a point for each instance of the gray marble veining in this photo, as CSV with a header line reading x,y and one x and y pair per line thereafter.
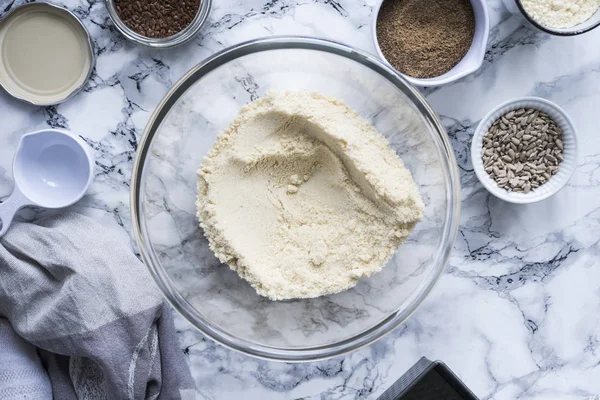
x,y
517,314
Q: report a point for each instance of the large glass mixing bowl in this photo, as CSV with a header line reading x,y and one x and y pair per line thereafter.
x,y
209,294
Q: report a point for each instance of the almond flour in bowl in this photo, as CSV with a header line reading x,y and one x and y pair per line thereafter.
x,y
560,14
213,297
302,197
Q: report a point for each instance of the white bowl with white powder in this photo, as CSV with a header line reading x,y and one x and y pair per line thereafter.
x,y
566,167
559,17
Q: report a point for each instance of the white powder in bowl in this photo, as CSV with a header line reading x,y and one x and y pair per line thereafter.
x,y
302,197
561,13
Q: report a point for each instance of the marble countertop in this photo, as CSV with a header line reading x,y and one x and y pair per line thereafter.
x,y
517,314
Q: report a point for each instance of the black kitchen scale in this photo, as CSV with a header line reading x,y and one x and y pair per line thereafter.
x,y
428,380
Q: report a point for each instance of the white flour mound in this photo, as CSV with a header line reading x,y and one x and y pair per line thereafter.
x,y
302,197
561,13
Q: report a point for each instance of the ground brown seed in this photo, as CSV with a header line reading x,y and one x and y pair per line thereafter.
x,y
425,39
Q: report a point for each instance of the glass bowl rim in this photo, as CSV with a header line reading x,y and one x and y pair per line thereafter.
x,y
163,281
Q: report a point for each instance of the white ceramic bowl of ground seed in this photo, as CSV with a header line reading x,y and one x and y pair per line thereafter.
x,y
524,150
433,42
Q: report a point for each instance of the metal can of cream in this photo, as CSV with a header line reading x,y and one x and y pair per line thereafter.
x,y
46,54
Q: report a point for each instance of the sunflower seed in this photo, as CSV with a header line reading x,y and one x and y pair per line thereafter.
x,y
519,168
522,149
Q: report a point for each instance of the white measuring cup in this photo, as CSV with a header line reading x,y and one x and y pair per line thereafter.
x,y
51,169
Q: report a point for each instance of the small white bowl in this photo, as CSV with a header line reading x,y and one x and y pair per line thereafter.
x,y
516,6
566,167
470,62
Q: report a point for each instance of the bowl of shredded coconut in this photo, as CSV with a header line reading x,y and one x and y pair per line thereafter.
x,y
561,17
294,198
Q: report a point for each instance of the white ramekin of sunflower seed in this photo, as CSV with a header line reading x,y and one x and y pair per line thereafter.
x,y
524,150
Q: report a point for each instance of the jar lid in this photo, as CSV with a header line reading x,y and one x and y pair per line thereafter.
x,y
46,54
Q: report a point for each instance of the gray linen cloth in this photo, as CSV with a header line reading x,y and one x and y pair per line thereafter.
x,y
21,373
70,288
